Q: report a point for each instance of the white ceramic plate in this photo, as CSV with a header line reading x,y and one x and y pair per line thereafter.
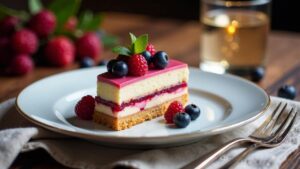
x,y
226,102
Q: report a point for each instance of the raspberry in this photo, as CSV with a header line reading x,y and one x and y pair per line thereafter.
x,y
150,48
8,25
24,42
88,45
174,107
21,65
137,65
43,23
71,24
84,109
59,51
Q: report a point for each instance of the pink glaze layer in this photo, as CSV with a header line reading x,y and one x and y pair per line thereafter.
x,y
116,108
124,81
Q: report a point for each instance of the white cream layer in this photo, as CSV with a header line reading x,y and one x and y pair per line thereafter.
x,y
157,100
141,88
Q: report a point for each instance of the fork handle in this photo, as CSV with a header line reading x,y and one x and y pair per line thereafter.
x,y
233,162
208,159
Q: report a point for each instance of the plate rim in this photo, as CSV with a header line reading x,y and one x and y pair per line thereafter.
x,y
198,133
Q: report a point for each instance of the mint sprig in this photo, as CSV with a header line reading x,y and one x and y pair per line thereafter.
x,y
122,50
132,37
138,45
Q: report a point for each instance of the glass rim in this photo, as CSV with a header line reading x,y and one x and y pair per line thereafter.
x,y
238,3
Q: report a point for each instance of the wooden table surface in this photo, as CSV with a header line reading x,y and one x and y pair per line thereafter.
x,y
181,40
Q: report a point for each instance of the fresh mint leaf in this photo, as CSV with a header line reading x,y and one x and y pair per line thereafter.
x,y
132,37
64,9
140,44
121,50
34,6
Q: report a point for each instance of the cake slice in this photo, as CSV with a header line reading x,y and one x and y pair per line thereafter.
x,y
124,102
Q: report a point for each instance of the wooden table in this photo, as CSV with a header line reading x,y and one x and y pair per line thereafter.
x,y
181,40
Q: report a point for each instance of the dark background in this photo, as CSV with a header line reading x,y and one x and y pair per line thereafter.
x,y
285,13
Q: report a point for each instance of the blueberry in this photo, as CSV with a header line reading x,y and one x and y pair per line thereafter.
x,y
287,91
102,63
181,120
193,111
160,60
147,56
119,69
257,74
86,62
109,65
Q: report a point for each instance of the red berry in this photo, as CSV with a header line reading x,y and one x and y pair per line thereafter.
x,y
8,25
43,23
25,42
150,48
21,65
59,51
137,65
88,45
84,109
71,24
174,107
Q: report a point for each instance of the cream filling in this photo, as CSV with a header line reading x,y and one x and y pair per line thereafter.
x,y
157,100
141,88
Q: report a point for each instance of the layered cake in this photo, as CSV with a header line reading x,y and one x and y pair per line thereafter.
x,y
139,85
127,101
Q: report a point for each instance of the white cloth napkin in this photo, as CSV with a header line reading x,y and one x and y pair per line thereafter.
x,y
18,135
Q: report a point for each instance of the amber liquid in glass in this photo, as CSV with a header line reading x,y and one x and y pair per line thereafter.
x,y
233,39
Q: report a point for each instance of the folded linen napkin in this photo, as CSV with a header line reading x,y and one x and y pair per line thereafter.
x,y
18,135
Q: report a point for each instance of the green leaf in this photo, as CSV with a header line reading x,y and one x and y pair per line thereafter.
x,y
34,6
84,19
121,50
132,37
89,22
4,11
140,44
64,9
109,40
95,23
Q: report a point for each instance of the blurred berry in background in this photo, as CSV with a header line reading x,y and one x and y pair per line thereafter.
x,y
54,33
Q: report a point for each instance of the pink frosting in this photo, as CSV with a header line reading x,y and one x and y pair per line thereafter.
x,y
121,82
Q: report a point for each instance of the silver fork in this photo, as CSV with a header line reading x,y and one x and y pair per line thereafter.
x,y
267,125
273,142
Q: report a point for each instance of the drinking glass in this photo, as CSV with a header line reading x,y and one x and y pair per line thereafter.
x,y
234,34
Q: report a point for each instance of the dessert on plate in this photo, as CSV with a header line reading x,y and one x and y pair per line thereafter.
x,y
139,85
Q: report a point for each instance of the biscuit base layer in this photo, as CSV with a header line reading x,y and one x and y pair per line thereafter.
x,y
137,118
